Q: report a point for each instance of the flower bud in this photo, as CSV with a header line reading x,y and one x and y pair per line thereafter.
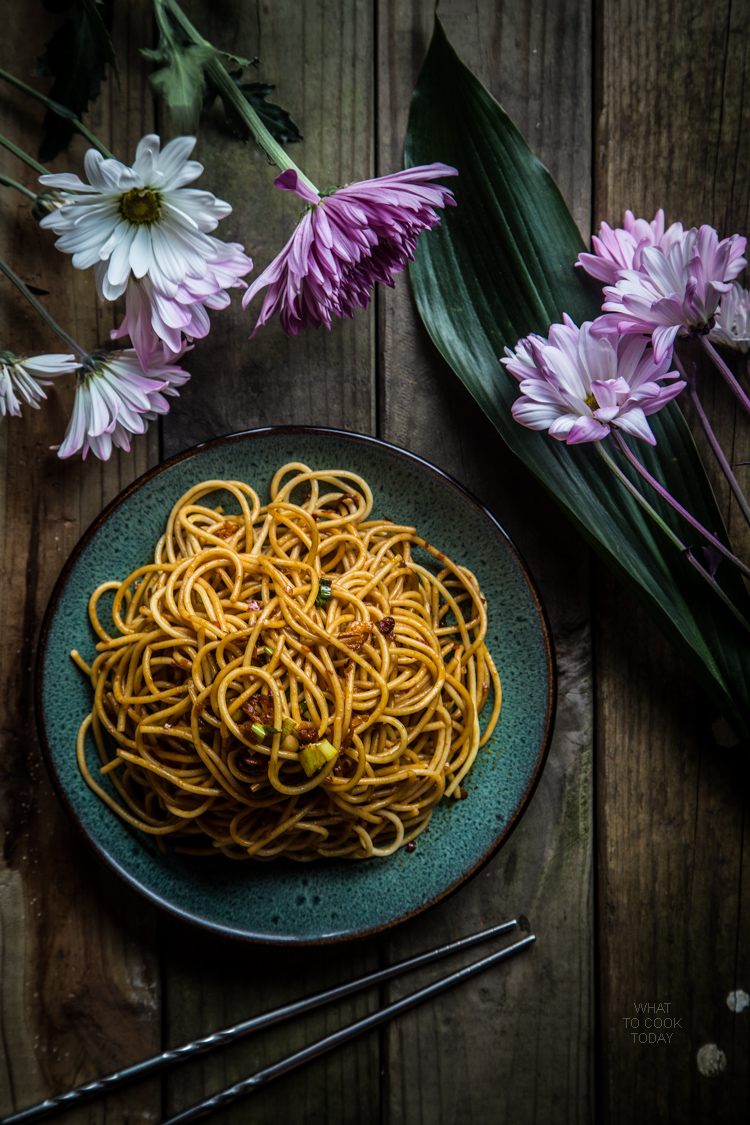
x,y
46,202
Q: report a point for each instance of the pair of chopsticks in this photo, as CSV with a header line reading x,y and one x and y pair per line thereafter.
x,y
161,1062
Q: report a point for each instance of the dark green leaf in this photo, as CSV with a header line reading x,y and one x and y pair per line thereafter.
x,y
76,56
501,265
185,85
278,122
238,59
180,82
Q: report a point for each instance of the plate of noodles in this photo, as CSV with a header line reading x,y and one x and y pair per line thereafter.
x,y
295,685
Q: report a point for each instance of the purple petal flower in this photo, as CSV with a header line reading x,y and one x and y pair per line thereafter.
x,y
579,385
620,249
676,293
345,242
116,397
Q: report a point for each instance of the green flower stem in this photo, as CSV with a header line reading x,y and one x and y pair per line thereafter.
x,y
60,110
271,147
686,515
641,499
165,27
713,441
725,372
23,156
41,309
223,81
19,187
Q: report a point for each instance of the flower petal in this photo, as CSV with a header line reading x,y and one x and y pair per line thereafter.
x,y
290,181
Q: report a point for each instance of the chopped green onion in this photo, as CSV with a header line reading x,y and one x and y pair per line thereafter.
x,y
260,730
268,650
288,727
316,755
324,592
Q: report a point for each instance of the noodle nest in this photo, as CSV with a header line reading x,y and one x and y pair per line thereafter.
x,y
290,679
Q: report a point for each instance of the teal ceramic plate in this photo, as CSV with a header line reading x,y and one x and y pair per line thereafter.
x,y
284,902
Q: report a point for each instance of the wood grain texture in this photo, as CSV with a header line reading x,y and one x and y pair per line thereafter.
x,y
672,790
515,1045
79,991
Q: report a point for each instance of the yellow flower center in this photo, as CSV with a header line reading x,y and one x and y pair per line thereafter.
x,y
591,402
139,205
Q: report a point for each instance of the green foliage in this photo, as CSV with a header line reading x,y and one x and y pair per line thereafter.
x,y
501,265
186,88
278,122
76,56
180,82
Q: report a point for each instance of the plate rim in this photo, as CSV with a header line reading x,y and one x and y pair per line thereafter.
x,y
131,881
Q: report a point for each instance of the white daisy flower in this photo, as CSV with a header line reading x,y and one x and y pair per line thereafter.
x,y
117,397
140,221
23,379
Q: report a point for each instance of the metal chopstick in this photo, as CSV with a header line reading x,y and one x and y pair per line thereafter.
x,y
232,1093
110,1082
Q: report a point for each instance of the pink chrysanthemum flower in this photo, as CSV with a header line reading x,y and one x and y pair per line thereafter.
x,y
116,397
21,380
732,328
579,386
677,293
619,248
345,242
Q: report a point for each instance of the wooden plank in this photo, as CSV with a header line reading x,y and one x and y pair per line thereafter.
x,y
79,984
515,1045
320,58
672,790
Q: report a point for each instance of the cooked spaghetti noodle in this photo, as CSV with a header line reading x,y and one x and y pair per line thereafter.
x,y
289,680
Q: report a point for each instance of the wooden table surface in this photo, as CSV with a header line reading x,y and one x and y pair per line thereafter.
x,y
631,863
